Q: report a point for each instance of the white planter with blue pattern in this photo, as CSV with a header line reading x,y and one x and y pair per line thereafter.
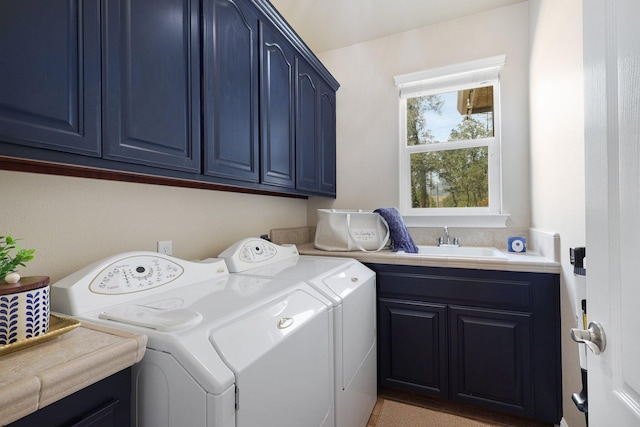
x,y
24,309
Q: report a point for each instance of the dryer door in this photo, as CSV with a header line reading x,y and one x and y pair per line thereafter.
x,y
281,354
357,288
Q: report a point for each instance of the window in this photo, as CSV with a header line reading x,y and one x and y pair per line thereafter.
x,y
450,144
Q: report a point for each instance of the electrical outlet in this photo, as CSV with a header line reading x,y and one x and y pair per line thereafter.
x,y
164,247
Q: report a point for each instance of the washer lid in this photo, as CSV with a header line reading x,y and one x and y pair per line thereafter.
x,y
153,318
334,277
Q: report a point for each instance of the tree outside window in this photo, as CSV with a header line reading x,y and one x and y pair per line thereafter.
x,y
444,176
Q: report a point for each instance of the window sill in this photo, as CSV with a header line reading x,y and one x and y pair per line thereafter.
x,y
469,220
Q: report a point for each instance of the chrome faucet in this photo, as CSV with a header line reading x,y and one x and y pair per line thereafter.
x,y
441,242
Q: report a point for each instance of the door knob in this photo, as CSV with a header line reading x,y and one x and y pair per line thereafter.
x,y
593,337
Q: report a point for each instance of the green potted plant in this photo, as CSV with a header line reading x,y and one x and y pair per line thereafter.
x,y
8,262
24,302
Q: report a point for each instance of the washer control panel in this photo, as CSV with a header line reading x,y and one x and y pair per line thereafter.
x,y
134,274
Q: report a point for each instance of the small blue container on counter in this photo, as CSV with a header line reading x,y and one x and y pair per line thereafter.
x,y
517,244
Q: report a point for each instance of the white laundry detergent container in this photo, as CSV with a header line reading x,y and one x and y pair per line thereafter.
x,y
24,309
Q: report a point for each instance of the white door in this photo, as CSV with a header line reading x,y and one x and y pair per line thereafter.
x,y
612,138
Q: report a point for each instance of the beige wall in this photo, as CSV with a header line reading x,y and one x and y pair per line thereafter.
x,y
367,104
557,153
72,222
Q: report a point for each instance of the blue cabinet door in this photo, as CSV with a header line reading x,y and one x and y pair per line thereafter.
x,y
277,105
231,79
50,75
307,132
327,141
151,83
491,359
412,346
315,132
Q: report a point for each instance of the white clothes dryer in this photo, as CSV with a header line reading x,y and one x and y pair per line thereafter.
x,y
223,350
351,287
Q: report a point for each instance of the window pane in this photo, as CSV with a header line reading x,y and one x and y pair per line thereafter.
x,y
451,116
450,178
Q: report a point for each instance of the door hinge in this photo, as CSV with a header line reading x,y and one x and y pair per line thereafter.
x,y
237,398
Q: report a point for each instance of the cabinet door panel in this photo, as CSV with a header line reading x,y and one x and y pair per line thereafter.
x,y
307,155
231,55
327,141
413,347
277,109
152,83
50,74
106,403
491,359
315,132
106,416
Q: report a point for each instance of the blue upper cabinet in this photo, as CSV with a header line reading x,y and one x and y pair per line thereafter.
x,y
218,94
277,109
151,66
50,75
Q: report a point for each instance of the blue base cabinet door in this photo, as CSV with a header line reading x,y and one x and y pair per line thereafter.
x,y
413,346
151,66
491,359
50,75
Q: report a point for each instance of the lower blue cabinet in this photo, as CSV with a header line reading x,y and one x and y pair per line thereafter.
x,y
478,337
106,403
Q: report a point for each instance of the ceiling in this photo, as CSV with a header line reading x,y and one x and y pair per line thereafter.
x,y
332,24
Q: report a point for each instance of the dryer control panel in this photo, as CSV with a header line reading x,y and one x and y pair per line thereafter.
x,y
256,251
251,253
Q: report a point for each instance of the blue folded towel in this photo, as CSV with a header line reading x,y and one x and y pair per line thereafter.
x,y
400,238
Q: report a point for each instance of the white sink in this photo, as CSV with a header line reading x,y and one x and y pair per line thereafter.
x,y
459,251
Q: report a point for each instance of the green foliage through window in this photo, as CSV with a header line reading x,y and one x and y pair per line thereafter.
x,y
443,176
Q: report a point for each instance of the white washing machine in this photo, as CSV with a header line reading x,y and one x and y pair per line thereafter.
x,y
223,350
351,287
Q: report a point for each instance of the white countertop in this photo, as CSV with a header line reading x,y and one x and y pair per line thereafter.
x,y
527,262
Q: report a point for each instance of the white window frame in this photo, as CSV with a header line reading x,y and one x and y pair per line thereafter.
x,y
483,72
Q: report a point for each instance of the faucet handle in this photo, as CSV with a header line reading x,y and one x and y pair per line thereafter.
x,y
456,241
440,241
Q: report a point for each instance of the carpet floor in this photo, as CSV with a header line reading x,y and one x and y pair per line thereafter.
x,y
396,414
400,409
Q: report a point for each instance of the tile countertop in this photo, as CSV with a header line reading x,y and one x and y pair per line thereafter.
x,y
527,262
37,376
